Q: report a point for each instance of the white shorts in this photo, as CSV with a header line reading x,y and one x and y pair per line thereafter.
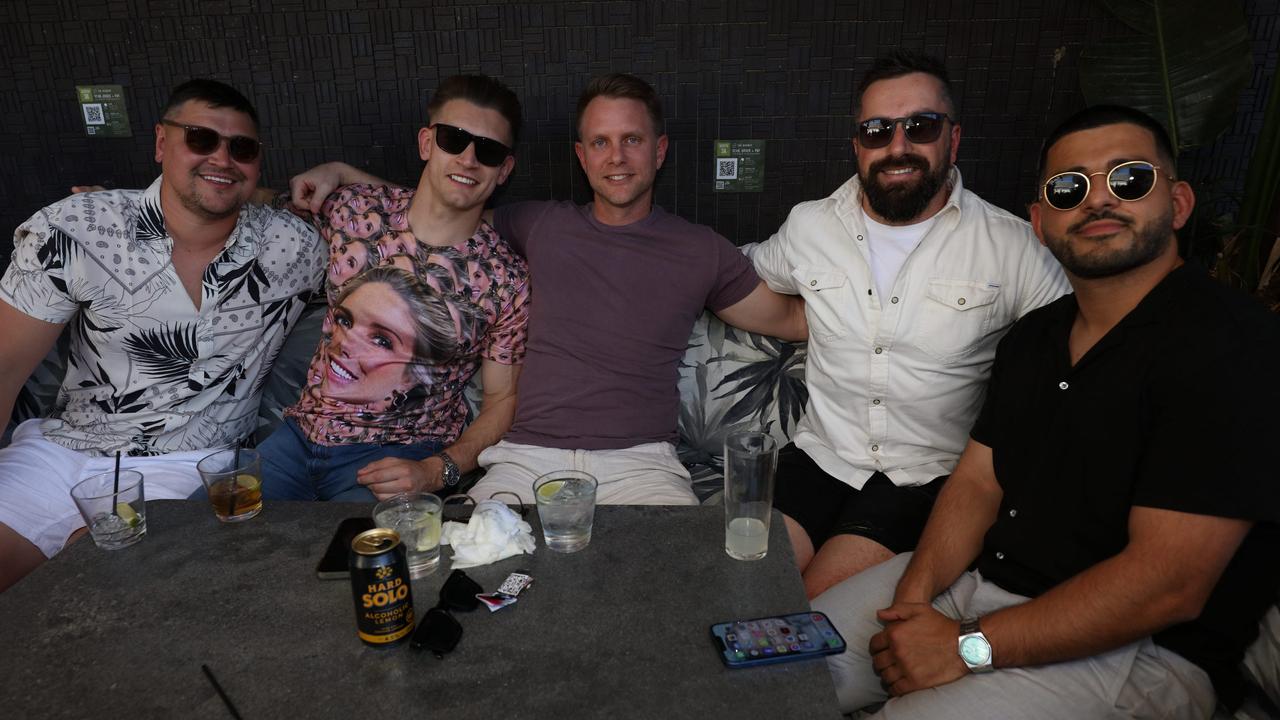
x,y
36,477
648,474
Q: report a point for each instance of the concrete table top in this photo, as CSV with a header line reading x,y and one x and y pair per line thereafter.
x,y
617,630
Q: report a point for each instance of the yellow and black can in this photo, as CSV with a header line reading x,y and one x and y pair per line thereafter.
x,y
380,585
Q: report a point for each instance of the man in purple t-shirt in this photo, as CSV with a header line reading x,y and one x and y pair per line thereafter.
x,y
619,284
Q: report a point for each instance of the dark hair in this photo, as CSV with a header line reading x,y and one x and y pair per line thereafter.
x,y
622,85
1100,115
479,90
905,62
215,93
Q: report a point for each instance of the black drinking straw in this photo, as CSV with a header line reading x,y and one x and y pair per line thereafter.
x,y
115,493
235,480
226,700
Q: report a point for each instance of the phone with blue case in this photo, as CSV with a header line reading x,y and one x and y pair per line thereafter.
x,y
769,640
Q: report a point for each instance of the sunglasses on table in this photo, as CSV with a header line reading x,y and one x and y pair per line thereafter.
x,y
454,140
1128,181
921,128
205,141
439,631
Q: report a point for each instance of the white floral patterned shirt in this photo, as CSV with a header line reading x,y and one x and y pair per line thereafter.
x,y
148,373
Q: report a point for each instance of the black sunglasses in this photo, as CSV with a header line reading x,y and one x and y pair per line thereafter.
x,y
205,141
454,140
1128,181
921,128
438,630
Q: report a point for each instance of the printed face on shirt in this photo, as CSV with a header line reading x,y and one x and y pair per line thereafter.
x,y
347,261
392,244
620,151
371,346
905,183
1105,236
214,186
460,181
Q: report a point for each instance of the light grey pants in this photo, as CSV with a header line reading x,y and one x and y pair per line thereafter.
x,y
649,474
1139,680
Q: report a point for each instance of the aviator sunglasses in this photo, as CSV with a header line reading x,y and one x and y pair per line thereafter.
x,y
454,140
921,129
205,141
439,631
1128,181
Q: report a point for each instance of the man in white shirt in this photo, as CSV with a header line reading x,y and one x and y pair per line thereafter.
x,y
909,282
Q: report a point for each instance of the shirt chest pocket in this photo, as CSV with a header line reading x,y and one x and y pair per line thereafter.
x,y
828,297
955,317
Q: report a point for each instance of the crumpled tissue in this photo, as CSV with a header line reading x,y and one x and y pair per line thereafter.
x,y
495,532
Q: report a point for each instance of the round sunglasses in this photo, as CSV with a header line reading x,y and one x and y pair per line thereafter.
x,y
1128,181
454,140
921,128
205,141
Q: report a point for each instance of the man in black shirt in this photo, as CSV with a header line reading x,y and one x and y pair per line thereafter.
x,y
1105,545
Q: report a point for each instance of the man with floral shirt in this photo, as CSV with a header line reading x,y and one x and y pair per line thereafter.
x,y
422,293
179,296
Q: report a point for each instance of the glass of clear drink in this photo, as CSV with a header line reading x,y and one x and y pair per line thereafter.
x,y
416,519
115,512
233,480
567,507
750,460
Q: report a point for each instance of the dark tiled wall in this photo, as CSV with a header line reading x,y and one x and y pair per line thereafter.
x,y
348,79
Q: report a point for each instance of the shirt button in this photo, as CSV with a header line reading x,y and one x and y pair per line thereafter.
x,y
859,238
894,299
960,301
1063,385
1013,512
812,283
880,350
875,448
999,556
876,401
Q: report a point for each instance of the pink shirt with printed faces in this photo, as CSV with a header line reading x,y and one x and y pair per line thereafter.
x,y
408,323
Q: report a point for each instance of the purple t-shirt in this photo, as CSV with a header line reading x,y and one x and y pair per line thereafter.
x,y
615,308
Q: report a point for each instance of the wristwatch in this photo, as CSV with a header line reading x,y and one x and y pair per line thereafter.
x,y
975,651
451,472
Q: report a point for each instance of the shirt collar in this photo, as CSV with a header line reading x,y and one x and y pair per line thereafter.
x,y
242,240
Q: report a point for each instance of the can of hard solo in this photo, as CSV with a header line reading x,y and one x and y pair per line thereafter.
x,y
380,585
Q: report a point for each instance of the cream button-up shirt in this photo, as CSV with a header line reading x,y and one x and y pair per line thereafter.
x,y
896,382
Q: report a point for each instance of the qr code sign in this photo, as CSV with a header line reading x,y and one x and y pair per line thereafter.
x,y
93,114
726,168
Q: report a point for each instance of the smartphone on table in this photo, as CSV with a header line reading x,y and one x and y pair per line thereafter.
x,y
783,638
333,566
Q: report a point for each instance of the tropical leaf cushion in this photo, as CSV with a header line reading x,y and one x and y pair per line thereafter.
x,y
732,380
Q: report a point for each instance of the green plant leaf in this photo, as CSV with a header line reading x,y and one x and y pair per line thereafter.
x,y
1184,62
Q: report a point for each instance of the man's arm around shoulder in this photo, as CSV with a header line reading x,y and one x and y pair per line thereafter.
x,y
767,312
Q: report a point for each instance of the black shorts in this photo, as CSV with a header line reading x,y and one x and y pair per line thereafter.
x,y
825,507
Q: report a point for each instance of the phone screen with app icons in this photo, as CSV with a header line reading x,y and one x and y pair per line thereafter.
x,y
763,641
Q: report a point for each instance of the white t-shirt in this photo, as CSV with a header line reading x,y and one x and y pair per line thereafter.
x,y
889,246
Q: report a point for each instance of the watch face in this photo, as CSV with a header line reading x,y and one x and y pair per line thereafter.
x,y
975,651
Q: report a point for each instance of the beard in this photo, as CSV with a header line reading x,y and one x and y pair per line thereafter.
x,y
902,202
1149,241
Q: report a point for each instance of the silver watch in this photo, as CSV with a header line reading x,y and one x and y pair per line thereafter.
x,y
975,651
451,472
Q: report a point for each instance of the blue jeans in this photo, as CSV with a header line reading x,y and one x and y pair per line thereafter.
x,y
294,468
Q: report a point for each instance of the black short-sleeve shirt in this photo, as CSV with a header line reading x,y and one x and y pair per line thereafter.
x,y
1178,408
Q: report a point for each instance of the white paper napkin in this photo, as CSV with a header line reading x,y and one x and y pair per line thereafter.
x,y
494,532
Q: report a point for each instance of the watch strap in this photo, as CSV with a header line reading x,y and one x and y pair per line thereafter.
x,y
452,474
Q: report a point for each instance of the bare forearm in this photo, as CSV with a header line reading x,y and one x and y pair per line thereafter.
x,y
964,511
1149,586
491,423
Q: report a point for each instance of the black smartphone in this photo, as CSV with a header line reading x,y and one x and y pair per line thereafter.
x,y
768,640
333,566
